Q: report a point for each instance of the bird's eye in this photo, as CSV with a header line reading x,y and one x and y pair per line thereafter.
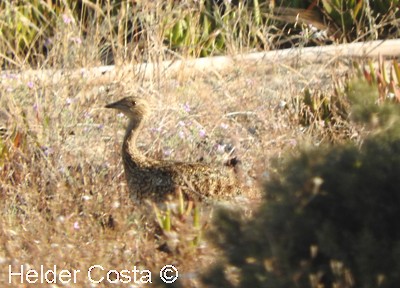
x,y
133,103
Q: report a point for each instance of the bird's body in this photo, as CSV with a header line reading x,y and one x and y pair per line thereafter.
x,y
157,179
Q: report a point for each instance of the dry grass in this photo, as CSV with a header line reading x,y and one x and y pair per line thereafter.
x,y
63,195
62,189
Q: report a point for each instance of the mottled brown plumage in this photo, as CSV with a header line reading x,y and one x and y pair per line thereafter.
x,y
154,179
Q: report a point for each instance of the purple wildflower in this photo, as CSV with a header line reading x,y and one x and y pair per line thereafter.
x,y
10,76
47,150
202,133
87,115
76,40
186,107
156,130
167,151
66,19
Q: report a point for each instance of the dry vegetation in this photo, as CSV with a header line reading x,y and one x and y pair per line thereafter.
x,y
64,199
62,189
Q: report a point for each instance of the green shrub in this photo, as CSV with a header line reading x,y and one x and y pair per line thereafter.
x,y
329,218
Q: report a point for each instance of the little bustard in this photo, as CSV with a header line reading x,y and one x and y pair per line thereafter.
x,y
157,179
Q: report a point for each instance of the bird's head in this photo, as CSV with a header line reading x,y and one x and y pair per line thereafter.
x,y
132,107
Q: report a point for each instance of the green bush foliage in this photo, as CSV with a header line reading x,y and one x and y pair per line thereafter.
x,y
329,218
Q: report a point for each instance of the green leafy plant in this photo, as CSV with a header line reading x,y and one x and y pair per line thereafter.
x,y
386,84
326,114
172,220
24,28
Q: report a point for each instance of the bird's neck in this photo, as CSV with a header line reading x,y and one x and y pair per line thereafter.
x,y
129,148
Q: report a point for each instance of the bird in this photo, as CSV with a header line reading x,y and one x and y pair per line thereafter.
x,y
159,180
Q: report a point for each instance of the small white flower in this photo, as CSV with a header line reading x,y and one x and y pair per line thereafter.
x,y
224,126
86,197
181,134
390,95
221,148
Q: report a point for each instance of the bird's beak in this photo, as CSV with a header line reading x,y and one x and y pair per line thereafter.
x,y
115,105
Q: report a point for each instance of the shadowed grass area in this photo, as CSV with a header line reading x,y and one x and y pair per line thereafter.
x,y
329,216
